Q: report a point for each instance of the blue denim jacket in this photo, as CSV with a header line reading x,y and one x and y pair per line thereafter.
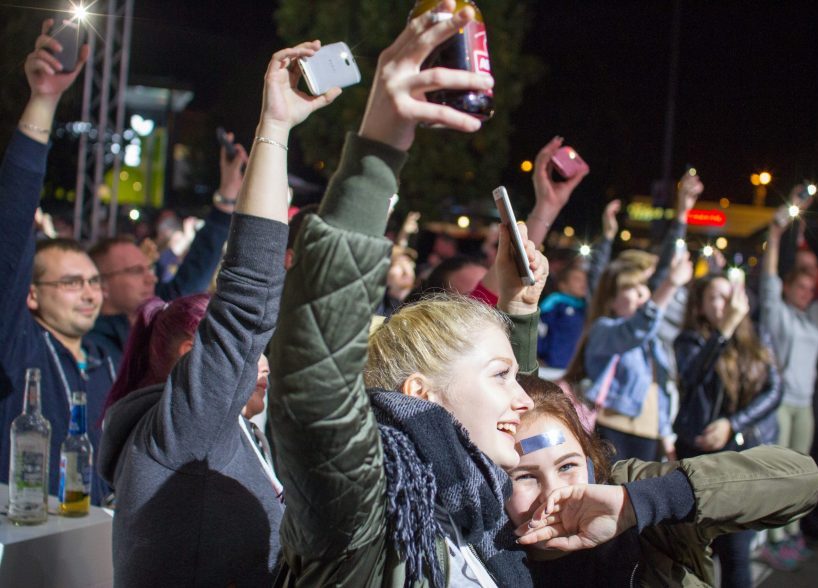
x,y
636,343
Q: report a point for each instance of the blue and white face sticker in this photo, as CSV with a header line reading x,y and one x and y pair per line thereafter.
x,y
549,438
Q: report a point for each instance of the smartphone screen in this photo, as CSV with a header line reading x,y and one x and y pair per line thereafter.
x,y
507,217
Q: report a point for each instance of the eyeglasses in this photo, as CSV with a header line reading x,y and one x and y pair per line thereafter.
x,y
73,283
134,270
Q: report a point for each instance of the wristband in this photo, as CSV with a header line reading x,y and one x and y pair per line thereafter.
x,y
34,128
220,198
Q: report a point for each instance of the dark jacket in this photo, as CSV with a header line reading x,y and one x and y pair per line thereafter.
x,y
756,489
194,506
703,397
111,331
23,342
563,318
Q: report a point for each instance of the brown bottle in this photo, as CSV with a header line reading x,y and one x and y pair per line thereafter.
x,y
467,50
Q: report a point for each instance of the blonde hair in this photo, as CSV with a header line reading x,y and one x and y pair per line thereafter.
x,y
427,337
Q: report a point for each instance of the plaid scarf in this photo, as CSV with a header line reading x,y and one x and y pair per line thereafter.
x,y
429,459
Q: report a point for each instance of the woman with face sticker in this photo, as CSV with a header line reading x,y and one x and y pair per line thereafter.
x,y
637,523
729,391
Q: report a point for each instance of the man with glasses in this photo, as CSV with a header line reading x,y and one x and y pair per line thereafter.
x,y
51,293
129,277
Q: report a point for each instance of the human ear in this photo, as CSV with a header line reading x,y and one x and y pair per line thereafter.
x,y
184,347
416,385
31,299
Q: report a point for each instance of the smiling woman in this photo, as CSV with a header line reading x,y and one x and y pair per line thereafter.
x,y
663,516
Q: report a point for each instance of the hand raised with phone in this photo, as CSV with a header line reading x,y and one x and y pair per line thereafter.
x,y
44,70
284,105
514,297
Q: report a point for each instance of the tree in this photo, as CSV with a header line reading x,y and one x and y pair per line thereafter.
x,y
445,167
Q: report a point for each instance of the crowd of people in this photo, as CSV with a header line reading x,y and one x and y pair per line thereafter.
x,y
407,437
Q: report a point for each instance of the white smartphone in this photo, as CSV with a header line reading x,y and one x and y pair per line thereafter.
x,y
332,65
503,204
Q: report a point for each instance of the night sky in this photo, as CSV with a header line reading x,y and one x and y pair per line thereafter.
x,y
746,96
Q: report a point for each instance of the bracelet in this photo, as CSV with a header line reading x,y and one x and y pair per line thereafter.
x,y
34,128
220,198
260,139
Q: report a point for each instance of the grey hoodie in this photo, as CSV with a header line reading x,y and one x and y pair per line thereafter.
x,y
795,340
194,506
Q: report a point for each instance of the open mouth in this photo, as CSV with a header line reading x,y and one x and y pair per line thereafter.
x,y
508,428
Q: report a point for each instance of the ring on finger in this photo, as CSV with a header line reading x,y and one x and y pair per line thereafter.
x,y
438,17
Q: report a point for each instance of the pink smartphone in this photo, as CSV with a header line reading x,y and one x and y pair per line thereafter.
x,y
567,162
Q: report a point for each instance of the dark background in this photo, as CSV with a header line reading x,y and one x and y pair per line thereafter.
x,y
746,101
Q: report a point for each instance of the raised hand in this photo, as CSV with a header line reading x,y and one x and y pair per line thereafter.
x,y
610,226
681,270
550,197
231,174
43,69
737,308
514,297
687,194
553,194
284,104
579,517
47,84
397,102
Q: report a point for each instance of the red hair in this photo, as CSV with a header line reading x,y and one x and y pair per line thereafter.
x,y
152,348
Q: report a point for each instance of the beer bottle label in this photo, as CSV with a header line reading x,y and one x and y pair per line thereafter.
x,y
75,478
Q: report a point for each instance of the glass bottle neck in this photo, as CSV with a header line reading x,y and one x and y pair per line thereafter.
x,y
78,419
31,405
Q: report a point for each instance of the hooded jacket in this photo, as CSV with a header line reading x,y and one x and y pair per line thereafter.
x,y
194,504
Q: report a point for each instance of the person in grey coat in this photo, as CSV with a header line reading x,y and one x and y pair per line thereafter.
x,y
197,500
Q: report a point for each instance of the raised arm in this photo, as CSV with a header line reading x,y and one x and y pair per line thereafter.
x,y
326,440
21,180
550,196
196,270
687,194
601,251
520,302
212,383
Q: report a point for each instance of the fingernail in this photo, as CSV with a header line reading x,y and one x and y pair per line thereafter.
x,y
488,80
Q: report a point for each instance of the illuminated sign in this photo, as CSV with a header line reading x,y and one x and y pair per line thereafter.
x,y
706,218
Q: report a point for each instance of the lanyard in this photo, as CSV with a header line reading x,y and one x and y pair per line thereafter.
x,y
265,463
63,378
58,363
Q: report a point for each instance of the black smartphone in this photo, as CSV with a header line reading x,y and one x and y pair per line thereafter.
x,y
68,34
229,147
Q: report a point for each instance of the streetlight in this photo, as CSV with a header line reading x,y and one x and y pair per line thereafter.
x,y
760,181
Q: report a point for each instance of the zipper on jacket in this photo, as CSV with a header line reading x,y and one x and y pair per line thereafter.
x,y
482,565
633,574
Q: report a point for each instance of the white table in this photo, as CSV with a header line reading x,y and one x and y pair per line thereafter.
x,y
63,552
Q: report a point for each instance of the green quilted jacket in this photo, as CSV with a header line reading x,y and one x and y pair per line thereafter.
x,y
326,442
